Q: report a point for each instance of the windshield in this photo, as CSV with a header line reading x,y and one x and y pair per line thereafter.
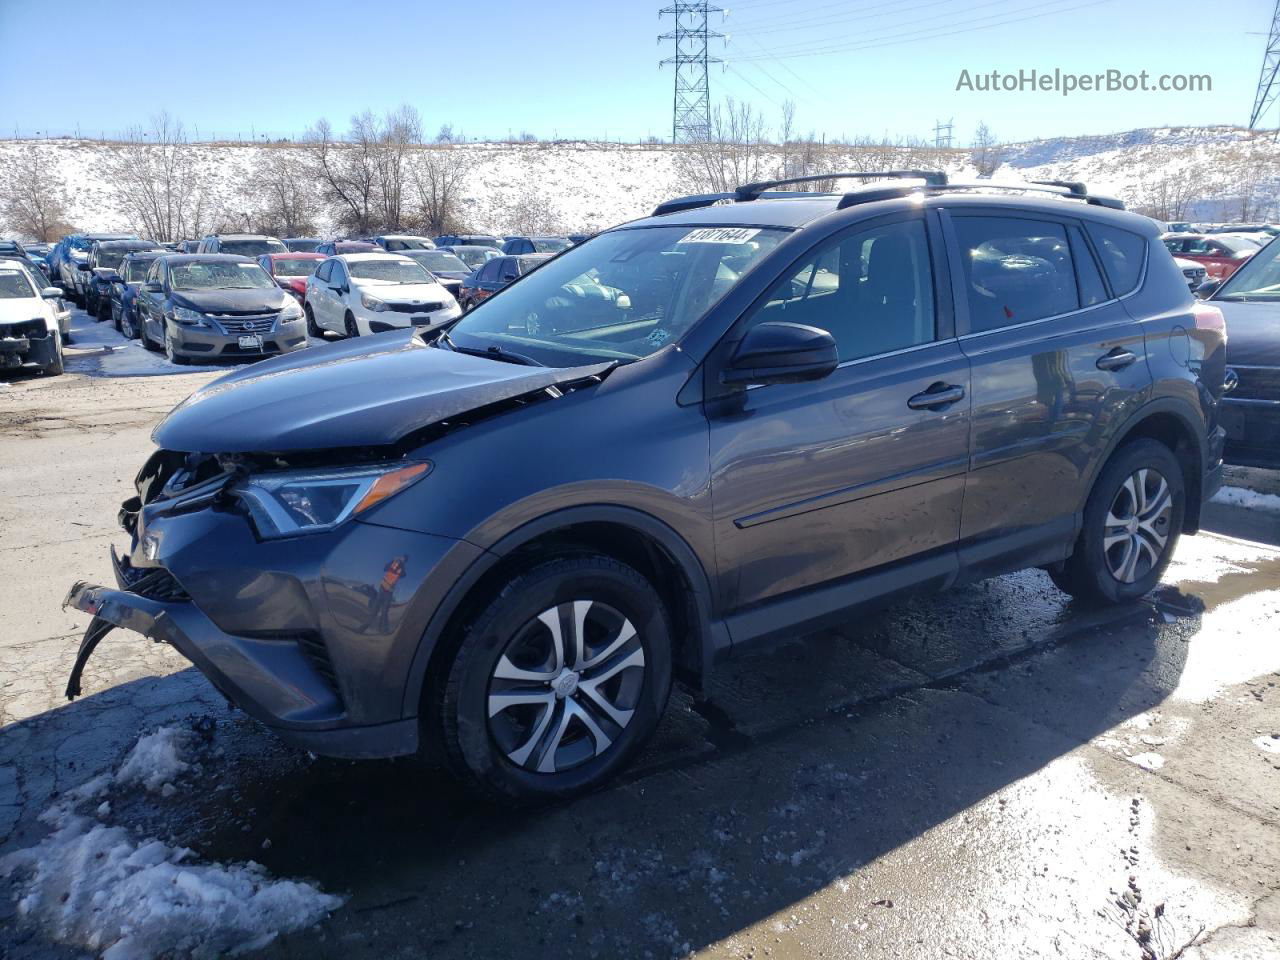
x,y
437,260
11,246
391,271
218,275
620,295
14,285
549,244
294,267
476,256
1258,279
252,248
136,270
110,258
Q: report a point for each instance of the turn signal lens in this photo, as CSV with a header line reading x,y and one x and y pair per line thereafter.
x,y
389,484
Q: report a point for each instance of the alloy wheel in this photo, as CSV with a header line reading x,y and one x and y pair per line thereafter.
x,y
1138,525
566,686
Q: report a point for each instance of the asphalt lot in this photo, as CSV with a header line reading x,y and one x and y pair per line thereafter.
x,y
989,773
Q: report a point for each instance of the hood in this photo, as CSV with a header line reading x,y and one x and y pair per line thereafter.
x,y
1253,332
401,292
369,391
257,300
20,309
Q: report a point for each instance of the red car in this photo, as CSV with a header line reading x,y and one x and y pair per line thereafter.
x,y
1221,256
290,270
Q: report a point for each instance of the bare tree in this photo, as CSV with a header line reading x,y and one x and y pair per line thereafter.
x,y
158,183
438,176
735,151
34,195
986,151
286,193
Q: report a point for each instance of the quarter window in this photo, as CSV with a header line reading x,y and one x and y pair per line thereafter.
x,y
1123,255
871,290
1092,289
1015,270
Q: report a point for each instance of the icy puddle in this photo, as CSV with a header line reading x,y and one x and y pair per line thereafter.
x,y
100,887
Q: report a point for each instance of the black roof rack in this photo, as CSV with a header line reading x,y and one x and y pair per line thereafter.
x,y
751,191
935,181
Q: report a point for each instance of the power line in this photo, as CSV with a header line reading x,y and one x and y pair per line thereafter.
x,y
691,103
1267,91
928,33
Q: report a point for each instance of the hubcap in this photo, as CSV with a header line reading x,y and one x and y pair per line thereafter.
x,y
566,686
1137,525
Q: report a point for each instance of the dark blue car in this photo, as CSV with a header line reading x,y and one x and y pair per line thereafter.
x,y
124,289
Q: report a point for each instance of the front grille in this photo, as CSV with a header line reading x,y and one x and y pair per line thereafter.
x,y
415,307
240,325
31,329
315,651
157,584
1256,383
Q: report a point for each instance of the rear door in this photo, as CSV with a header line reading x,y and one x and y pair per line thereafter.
x,y
1057,364
813,483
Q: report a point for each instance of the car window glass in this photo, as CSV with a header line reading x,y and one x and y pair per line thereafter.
x,y
14,285
871,290
337,274
489,272
1123,256
1016,270
1092,289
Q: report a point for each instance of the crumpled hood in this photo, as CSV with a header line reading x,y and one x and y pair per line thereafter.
x,y
365,391
1253,332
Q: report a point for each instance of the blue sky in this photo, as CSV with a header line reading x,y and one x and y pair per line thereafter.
x,y
556,67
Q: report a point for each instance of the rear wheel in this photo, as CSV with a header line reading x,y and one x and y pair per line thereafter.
x,y
1131,525
558,681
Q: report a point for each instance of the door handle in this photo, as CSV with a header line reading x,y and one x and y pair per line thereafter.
x,y
938,395
1117,359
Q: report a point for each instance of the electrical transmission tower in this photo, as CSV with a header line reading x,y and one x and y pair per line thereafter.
x,y
942,132
1267,89
691,106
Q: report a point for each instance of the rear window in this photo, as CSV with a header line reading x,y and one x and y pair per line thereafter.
x,y
1123,256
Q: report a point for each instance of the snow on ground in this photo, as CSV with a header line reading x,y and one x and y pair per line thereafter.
x,y
98,887
584,186
1251,499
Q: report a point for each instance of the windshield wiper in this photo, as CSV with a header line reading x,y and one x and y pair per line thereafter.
x,y
492,352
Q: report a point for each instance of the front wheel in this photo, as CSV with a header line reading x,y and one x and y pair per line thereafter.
x,y
349,324
1131,525
313,328
558,681
171,352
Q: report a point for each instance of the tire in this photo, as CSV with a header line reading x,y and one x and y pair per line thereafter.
x,y
125,324
1119,555
313,328
104,311
349,324
170,354
55,368
542,749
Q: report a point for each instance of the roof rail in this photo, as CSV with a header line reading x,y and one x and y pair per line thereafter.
x,y
1069,190
751,191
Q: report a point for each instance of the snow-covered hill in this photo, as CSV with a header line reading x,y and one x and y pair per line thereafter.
x,y
1206,172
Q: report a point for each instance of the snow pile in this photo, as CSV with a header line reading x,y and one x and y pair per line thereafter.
x,y
1251,499
96,887
155,759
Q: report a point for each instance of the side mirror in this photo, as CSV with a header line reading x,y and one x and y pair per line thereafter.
x,y
778,352
153,286
1207,289
51,293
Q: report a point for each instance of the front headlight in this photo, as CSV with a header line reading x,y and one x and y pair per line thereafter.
x,y
372,303
192,318
293,502
291,311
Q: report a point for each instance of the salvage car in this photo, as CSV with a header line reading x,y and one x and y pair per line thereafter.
x,y
1220,255
498,543
496,274
30,338
445,266
73,266
104,261
216,306
358,294
1250,300
129,277
290,270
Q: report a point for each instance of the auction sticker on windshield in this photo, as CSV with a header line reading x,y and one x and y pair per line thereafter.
x,y
720,235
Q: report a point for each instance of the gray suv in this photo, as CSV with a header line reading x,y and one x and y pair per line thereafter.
x,y
734,421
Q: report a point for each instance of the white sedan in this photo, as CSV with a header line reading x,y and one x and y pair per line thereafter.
x,y
357,294
29,332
